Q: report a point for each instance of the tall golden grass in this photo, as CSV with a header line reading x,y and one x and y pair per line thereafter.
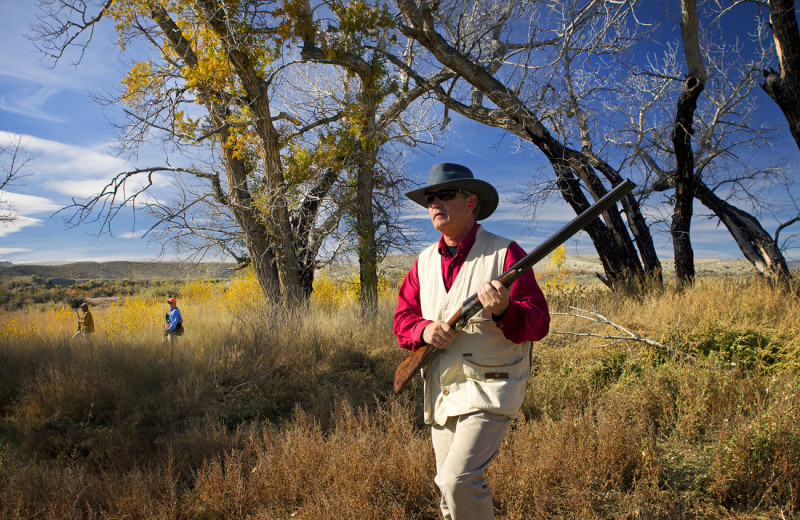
x,y
260,414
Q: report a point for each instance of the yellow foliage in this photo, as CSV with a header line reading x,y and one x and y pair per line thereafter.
x,y
12,329
242,144
140,82
559,276
61,314
294,22
212,69
198,290
330,294
124,13
558,257
185,125
327,294
243,291
132,315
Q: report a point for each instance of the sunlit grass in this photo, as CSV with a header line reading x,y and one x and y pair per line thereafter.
x,y
259,413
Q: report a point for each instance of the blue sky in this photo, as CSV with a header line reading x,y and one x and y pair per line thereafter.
x,y
72,139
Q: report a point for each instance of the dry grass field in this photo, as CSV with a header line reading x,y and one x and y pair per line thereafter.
x,y
262,415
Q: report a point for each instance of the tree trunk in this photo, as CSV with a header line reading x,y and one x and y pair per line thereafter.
x,y
277,216
616,263
680,228
239,199
365,217
753,240
367,248
784,86
636,223
682,131
309,236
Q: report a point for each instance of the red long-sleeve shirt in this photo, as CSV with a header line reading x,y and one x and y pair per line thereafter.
x,y
526,319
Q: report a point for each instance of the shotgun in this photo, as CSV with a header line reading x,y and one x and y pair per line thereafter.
x,y
472,305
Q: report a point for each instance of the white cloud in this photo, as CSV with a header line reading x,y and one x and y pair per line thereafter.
x,y
12,251
74,171
55,159
29,102
27,204
130,234
80,189
18,224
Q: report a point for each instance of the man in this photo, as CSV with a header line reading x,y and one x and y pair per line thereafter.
x,y
174,325
476,386
85,323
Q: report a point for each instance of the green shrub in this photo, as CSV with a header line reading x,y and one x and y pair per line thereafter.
x,y
748,349
614,366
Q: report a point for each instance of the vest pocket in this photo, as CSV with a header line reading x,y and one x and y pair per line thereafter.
x,y
496,384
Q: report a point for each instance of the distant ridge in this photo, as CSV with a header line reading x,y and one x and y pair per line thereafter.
x,y
140,271
120,270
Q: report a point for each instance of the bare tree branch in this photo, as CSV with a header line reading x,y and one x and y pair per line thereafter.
x,y
597,320
15,161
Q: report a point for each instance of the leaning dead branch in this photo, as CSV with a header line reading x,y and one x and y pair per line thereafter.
x,y
596,320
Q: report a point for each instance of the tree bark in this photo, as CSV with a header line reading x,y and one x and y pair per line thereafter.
x,y
753,240
682,131
784,86
367,247
636,223
680,228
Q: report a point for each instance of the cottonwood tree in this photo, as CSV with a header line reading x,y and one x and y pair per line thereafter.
x,y
357,38
715,170
213,80
298,159
527,64
573,82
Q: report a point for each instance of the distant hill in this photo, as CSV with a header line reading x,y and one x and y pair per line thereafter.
x,y
137,271
68,273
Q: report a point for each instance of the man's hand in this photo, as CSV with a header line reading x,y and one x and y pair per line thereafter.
x,y
438,333
494,297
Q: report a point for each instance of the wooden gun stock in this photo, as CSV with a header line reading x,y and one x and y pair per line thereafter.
x,y
423,355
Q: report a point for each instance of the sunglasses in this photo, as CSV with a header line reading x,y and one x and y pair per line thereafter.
x,y
443,195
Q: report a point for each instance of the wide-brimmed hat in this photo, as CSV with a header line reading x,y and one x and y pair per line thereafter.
x,y
451,175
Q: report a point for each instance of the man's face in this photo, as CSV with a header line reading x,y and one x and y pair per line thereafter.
x,y
451,216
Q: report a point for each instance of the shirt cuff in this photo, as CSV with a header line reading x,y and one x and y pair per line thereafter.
x,y
419,328
508,317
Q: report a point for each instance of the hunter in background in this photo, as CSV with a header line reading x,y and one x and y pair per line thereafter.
x,y
85,323
475,387
174,322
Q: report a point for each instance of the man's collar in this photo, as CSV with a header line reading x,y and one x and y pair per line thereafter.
x,y
464,247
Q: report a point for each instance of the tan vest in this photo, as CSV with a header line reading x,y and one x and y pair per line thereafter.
x,y
480,370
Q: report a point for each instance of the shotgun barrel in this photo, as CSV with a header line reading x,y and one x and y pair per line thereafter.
x,y
472,305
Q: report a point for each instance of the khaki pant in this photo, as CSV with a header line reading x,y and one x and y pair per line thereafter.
x,y
464,446
82,336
